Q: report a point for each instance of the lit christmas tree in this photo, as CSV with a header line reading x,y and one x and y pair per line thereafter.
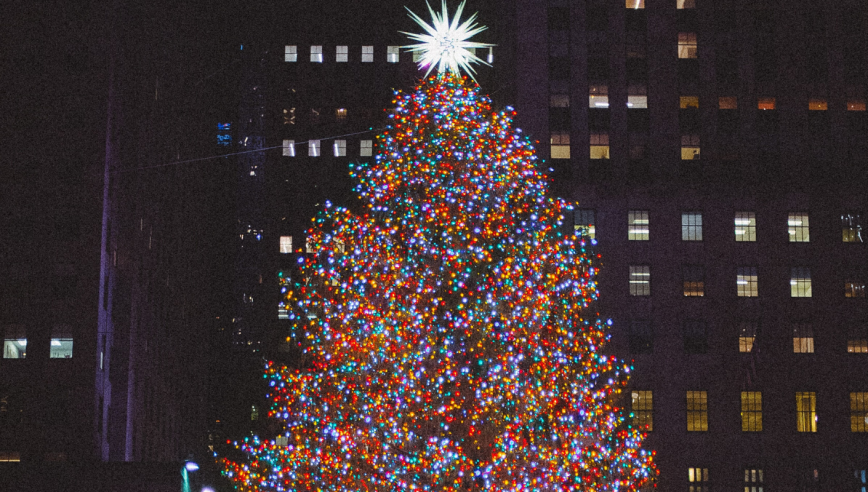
x,y
448,342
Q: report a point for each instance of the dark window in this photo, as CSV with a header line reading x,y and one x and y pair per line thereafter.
x,y
641,337
559,68
694,281
559,18
598,68
598,18
695,337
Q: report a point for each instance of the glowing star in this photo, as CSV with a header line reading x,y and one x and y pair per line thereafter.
x,y
446,44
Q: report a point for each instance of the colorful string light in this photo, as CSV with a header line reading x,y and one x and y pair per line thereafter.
x,y
447,337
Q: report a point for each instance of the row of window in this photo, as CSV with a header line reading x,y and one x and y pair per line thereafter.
x,y
746,282
342,54
679,4
15,342
698,480
642,411
744,226
696,337
339,148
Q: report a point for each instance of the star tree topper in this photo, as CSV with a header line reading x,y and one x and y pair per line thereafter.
x,y
446,44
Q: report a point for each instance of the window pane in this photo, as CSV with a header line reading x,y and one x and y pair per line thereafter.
x,y
688,102
747,331
687,45
642,407
695,337
637,225
803,338
641,337
635,4
693,280
290,53
598,96
559,101
859,412
316,54
800,282
765,103
817,104
697,411
691,226
855,104
560,143
342,53
286,244
367,54
366,148
15,342
727,102
798,227
806,411
857,339
313,148
61,342
686,4
392,54
747,282
640,280
851,227
745,226
289,148
751,411
340,148
854,288
585,220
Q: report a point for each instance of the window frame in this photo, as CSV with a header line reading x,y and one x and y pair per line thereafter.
x,y
638,225
393,54
643,287
366,148
688,41
799,227
342,53
803,338
751,411
367,54
800,282
690,226
747,229
288,148
316,53
560,145
340,147
747,275
806,411
693,280
859,411
290,53
697,411
642,409
314,148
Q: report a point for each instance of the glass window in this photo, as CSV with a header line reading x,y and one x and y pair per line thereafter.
x,y
637,97
751,411
635,4
753,480
693,280
637,225
15,342
560,145
803,338
689,102
686,45
806,411
640,280
698,479
818,104
854,288
798,227
367,54
286,244
857,339
695,337
641,337
341,114
342,53
747,331
745,226
61,342
859,412
598,96
691,226
10,456
289,148
851,227
559,101
689,147
313,148
642,406
316,54
599,146
746,282
340,147
367,148
765,103
290,53
697,411
392,54
686,4
800,282
855,104
585,220
727,102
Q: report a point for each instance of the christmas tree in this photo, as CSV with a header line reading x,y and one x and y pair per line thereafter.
x,y
448,338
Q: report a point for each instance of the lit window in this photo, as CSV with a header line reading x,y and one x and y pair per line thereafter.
x,y
308,245
282,312
806,411
637,97
751,411
585,220
286,244
765,103
290,53
313,147
745,226
859,412
800,282
689,147
697,411
727,102
417,56
691,226
698,479
851,227
392,54
635,4
803,338
798,227
342,53
854,288
694,280
289,148
316,54
686,45
598,96
857,339
746,336
686,4
340,147
341,114
695,337
818,104
753,480
642,407
641,337
746,282
688,102
854,104
559,101
367,54
15,342
10,456
61,342
599,146
367,148
560,145
640,280
637,225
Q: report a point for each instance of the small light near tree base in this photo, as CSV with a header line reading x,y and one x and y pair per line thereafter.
x,y
191,466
